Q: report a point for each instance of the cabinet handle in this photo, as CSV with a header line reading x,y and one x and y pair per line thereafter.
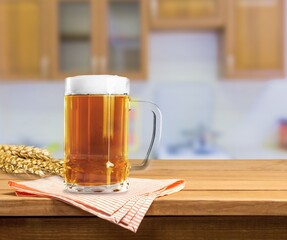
x,y
154,8
44,64
99,64
230,62
103,64
95,64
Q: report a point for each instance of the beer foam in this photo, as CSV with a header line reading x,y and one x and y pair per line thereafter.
x,y
97,84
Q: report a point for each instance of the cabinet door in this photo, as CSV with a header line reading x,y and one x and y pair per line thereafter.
x,y
124,42
186,14
22,41
254,39
72,37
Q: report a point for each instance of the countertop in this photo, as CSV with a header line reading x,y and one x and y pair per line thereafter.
x,y
221,188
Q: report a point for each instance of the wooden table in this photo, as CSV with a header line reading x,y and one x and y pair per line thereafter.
x,y
222,200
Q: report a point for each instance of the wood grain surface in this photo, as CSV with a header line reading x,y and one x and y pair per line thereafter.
x,y
152,228
221,200
212,188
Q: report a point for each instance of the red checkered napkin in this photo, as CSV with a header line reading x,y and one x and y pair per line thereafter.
x,y
125,209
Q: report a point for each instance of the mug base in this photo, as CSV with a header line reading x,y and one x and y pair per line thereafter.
x,y
114,188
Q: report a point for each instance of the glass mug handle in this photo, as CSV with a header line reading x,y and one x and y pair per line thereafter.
x,y
156,132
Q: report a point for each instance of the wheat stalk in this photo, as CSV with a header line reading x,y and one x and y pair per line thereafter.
x,y
27,159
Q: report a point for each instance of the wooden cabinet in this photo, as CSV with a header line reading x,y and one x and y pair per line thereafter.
x,y
253,31
23,52
254,39
186,14
54,39
92,37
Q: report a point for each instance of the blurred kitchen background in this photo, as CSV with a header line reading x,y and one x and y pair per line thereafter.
x,y
216,68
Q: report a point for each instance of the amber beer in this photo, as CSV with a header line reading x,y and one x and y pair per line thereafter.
x,y
96,134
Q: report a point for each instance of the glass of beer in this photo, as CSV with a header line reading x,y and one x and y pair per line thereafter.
x,y
96,134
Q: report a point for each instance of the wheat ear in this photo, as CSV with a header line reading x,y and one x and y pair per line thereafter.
x,y
27,159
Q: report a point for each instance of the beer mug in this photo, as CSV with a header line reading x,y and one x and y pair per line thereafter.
x,y
96,134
